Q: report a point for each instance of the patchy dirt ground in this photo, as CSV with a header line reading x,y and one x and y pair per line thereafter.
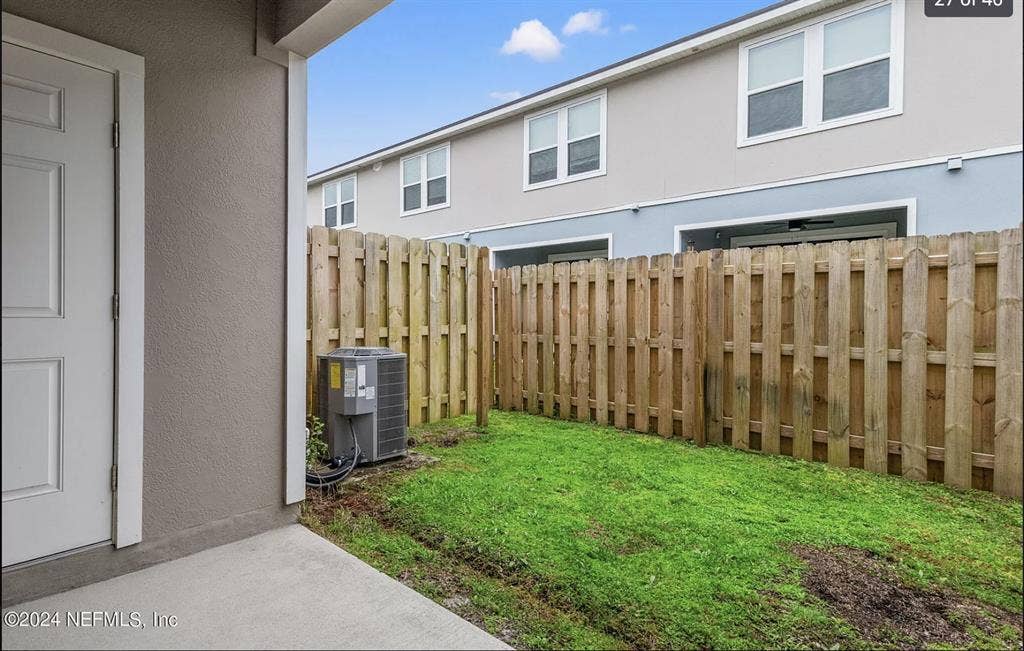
x,y
862,589
350,495
447,437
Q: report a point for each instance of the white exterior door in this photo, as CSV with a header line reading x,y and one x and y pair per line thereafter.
x,y
58,324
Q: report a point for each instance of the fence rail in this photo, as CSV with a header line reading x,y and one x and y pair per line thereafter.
x,y
899,356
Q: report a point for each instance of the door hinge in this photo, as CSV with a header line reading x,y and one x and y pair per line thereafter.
x,y
117,134
116,305
113,478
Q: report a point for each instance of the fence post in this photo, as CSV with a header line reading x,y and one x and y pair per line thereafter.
x,y
485,337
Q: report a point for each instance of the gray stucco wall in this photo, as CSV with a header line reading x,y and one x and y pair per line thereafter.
x,y
672,132
215,255
984,195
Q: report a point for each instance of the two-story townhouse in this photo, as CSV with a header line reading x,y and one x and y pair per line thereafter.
x,y
809,120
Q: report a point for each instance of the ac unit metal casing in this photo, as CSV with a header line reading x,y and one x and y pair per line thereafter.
x,y
367,386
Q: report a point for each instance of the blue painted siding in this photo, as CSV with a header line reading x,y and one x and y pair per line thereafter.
x,y
985,195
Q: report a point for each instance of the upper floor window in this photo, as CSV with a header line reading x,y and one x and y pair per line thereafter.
x,y
564,144
425,181
838,70
340,203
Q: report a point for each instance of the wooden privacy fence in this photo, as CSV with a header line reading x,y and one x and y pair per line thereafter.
x,y
418,298
617,341
900,356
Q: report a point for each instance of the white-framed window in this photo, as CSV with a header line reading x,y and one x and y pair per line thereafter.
x,y
425,181
832,71
340,203
565,143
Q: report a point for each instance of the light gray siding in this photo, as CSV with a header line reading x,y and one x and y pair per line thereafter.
x,y
672,132
984,195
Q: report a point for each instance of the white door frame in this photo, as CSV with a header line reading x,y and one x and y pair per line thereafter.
x,y
295,328
129,250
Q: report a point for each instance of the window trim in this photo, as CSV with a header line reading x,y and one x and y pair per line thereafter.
x,y
815,72
562,142
423,153
355,202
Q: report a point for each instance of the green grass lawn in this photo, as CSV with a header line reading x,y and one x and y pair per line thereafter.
x,y
553,534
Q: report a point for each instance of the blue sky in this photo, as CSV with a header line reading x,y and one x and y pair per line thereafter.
x,y
420,64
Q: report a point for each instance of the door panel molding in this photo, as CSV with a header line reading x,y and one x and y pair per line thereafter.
x,y
22,378
48,298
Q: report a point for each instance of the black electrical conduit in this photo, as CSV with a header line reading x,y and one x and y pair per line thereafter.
x,y
328,479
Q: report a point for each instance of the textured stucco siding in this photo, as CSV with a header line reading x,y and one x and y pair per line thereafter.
x,y
984,195
672,132
215,252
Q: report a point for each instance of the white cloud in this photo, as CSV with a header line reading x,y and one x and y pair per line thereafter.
x,y
628,27
505,95
533,38
586,22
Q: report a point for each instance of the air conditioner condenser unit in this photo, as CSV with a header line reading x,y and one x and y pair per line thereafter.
x,y
362,395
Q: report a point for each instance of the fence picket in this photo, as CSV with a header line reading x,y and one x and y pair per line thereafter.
x,y
516,336
1007,476
620,311
914,363
876,358
741,349
959,361
839,354
320,293
347,300
803,353
698,289
714,389
435,375
688,378
642,349
771,352
417,308
372,245
581,274
473,343
666,281
485,335
532,387
600,270
456,359
397,252
563,275
547,318
505,338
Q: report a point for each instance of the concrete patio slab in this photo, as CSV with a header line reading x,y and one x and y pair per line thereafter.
x,y
287,588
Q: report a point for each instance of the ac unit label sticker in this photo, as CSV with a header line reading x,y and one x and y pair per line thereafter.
x,y
335,372
350,382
